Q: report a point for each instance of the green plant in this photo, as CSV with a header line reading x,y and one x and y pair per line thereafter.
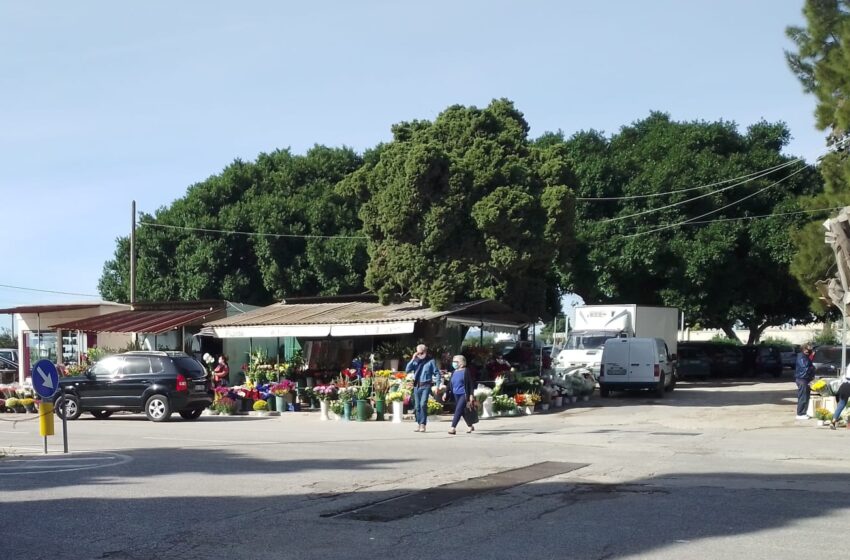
x,y
12,403
364,390
723,339
826,336
261,405
776,341
346,394
503,403
224,405
336,407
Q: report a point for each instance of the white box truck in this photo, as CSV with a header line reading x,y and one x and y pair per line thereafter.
x,y
594,324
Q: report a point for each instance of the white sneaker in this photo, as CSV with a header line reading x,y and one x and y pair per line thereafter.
x,y
803,417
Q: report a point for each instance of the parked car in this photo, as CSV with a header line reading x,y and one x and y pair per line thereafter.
x,y
10,355
789,356
827,361
156,383
762,360
725,360
693,362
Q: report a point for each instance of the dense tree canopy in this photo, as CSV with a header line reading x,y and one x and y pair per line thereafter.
x,y
280,194
718,269
822,63
465,207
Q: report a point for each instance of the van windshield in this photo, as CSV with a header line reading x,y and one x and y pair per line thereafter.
x,y
588,340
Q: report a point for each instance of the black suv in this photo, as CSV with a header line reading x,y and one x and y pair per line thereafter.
x,y
157,383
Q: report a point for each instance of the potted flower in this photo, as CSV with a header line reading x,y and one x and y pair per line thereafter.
x,y
346,395
434,408
503,404
336,409
12,404
363,391
397,400
225,405
325,394
261,407
531,399
282,392
28,404
380,386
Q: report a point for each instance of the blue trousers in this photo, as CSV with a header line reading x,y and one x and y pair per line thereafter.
x,y
421,395
802,397
460,408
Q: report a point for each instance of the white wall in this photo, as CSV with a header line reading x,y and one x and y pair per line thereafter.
x,y
796,335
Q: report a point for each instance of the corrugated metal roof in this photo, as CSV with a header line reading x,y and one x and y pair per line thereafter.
x,y
52,308
358,312
136,321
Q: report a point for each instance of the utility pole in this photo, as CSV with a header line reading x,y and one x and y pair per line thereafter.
x,y
837,289
133,257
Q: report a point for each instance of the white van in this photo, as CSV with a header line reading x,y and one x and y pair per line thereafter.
x,y
636,363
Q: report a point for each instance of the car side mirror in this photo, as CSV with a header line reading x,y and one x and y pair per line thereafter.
x,y
674,357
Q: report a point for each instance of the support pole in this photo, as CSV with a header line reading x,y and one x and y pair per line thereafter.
x,y
133,256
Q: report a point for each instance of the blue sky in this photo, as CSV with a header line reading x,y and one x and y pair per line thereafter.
x,y
103,102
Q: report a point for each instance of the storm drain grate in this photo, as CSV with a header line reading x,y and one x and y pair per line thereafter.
x,y
416,503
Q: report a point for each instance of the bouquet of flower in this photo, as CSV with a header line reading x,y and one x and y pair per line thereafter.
x,y
326,392
208,362
503,403
481,393
346,394
519,399
394,396
385,373
380,385
497,389
282,388
531,399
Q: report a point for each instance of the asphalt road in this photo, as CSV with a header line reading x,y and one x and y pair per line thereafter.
x,y
710,471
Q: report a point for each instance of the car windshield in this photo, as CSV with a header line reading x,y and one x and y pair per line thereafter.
x,y
827,355
189,367
587,341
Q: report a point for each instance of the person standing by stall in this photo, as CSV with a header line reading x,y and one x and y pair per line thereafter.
x,y
221,373
803,374
426,376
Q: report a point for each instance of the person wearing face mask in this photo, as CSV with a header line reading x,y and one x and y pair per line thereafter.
x,y
426,376
461,386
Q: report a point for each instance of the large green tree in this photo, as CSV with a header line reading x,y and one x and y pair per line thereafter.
x,y
467,207
286,196
822,64
720,270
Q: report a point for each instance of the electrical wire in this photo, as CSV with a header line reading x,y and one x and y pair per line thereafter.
x,y
689,189
813,211
680,203
47,291
252,233
662,228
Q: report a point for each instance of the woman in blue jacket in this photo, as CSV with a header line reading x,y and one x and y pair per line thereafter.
x,y
461,386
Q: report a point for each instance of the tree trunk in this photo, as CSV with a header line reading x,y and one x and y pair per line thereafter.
x,y
755,334
730,333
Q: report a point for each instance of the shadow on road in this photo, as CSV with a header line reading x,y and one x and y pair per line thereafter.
x,y
709,394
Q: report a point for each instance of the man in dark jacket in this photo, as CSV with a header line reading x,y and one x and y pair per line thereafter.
x,y
804,372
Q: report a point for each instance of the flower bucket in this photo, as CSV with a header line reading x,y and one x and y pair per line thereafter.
x,y
346,411
280,403
272,402
398,411
544,407
558,402
379,410
529,410
487,408
247,405
361,410
323,410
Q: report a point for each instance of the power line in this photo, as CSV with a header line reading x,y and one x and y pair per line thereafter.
x,y
47,291
253,233
651,195
673,205
813,211
662,228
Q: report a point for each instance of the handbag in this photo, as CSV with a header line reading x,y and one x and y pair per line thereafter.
x,y
470,413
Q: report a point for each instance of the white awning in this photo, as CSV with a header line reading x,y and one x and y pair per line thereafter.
x,y
365,329
495,326
273,331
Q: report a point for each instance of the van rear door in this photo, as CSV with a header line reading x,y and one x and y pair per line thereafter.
x,y
642,359
615,359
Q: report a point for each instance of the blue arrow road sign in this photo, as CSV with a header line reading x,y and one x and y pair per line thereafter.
x,y
45,378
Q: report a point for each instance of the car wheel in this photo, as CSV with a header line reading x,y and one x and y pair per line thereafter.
x,y
101,414
604,392
672,385
157,408
193,414
659,391
68,407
